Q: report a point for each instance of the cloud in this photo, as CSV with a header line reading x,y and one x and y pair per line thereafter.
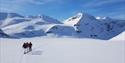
x,y
117,15
111,8
121,16
99,3
39,2
6,10
20,5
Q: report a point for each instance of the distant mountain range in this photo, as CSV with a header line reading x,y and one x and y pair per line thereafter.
x,y
82,25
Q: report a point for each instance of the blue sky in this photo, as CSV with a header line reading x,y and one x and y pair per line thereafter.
x,y
63,9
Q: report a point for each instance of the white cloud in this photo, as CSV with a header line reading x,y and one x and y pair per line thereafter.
x,y
10,8
97,3
39,2
5,10
120,16
19,5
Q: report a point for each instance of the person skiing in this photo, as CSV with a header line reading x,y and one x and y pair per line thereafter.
x,y
25,47
30,46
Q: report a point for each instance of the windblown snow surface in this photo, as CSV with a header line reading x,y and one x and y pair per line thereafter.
x,y
62,50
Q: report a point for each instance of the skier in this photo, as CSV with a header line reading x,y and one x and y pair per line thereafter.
x,y
25,47
30,46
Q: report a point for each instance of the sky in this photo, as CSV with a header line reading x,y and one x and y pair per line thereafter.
x,y
63,9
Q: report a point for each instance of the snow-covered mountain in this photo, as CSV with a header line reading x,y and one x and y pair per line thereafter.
x,y
13,18
27,26
82,25
88,26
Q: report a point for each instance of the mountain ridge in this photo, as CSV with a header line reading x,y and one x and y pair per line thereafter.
x,y
81,25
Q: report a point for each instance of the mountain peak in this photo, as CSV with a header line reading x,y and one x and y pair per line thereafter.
x,y
84,14
81,16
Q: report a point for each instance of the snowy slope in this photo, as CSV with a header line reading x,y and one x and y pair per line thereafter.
x,y
3,35
12,21
121,36
6,18
27,29
73,20
4,15
62,51
112,27
61,30
49,19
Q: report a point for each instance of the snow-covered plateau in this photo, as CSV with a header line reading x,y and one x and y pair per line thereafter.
x,y
62,50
